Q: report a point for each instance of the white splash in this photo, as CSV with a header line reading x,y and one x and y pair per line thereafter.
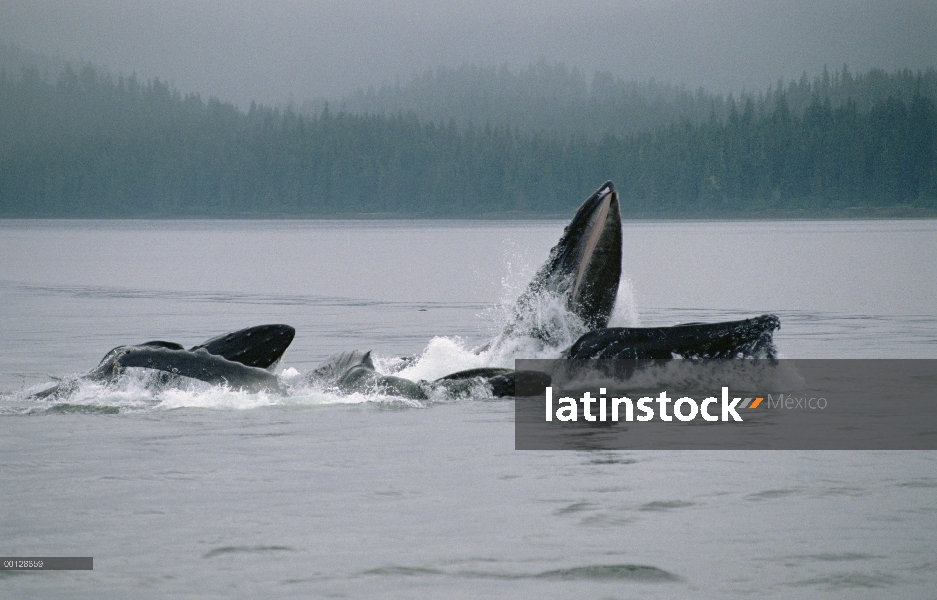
x,y
624,313
442,356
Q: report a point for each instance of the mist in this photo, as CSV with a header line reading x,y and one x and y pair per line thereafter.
x,y
283,51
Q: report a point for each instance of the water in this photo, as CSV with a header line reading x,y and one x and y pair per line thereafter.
x,y
205,492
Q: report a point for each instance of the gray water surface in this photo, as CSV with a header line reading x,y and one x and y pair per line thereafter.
x,y
212,493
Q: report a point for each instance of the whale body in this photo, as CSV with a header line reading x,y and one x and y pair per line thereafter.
x,y
354,371
748,338
242,359
197,364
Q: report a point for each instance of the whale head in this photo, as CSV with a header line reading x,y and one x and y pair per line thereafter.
x,y
585,265
581,273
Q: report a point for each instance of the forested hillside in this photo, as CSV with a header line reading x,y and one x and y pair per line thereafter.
x,y
553,98
94,145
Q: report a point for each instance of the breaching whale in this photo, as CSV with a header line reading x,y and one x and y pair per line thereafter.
x,y
581,274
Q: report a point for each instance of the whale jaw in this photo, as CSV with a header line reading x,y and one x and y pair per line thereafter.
x,y
585,264
582,273
591,245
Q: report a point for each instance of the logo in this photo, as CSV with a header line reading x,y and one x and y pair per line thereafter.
x,y
625,409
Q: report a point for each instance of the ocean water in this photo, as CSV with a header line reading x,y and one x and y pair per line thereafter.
x,y
206,492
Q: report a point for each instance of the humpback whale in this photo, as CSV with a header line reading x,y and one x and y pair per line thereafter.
x,y
581,275
198,364
354,371
261,346
242,359
732,339
582,272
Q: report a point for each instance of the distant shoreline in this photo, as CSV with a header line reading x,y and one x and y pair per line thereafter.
x,y
838,214
88,145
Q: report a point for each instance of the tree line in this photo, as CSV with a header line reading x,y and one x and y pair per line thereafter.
x,y
87,144
551,97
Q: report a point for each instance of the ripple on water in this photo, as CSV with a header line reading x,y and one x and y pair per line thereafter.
x,y
77,409
924,482
772,494
576,507
844,581
245,550
612,460
664,505
614,572
611,572
403,571
840,556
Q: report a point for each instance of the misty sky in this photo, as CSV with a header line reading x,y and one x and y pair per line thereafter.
x,y
280,50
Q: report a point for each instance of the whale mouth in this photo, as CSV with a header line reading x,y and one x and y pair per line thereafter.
x,y
580,277
596,283
585,264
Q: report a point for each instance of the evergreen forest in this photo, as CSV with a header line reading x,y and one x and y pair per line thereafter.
x,y
86,143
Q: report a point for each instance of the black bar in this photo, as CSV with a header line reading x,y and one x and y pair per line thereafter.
x,y
47,563
806,404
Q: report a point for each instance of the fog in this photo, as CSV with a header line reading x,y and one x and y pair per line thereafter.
x,y
279,51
